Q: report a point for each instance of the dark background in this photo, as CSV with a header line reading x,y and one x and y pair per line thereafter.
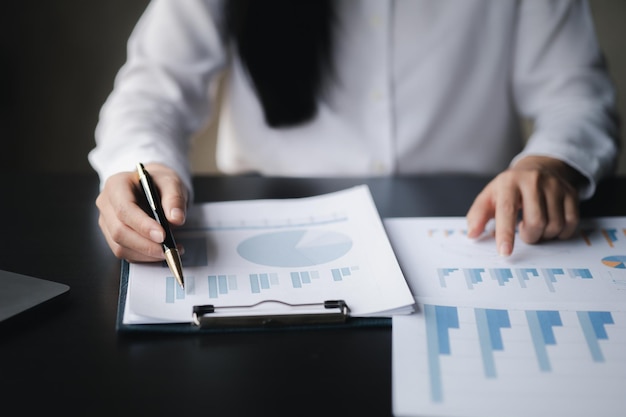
x,y
58,59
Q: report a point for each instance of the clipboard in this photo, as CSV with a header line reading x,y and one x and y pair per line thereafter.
x,y
330,314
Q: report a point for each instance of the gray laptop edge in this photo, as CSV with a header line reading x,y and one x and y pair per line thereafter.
x,y
19,293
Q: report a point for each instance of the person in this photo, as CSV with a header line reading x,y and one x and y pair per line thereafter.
x,y
363,88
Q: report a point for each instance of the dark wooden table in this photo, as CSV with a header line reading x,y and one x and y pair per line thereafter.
x,y
66,358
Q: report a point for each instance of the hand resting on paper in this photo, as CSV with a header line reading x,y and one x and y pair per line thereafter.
x,y
544,190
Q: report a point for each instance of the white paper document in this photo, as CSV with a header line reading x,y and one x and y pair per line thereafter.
x,y
540,333
297,251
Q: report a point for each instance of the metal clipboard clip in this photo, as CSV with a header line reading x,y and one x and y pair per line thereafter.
x,y
328,312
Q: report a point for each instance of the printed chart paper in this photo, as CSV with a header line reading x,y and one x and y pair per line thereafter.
x,y
542,332
304,250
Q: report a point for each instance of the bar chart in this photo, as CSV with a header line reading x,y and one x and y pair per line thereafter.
x,y
571,361
296,251
610,236
440,262
225,285
509,276
294,257
539,333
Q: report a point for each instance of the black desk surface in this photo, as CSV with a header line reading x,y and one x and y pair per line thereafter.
x,y
67,358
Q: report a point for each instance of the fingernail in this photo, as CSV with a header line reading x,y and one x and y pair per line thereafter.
x,y
177,214
156,235
505,249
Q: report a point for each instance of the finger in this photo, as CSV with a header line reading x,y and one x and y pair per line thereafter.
x,y
128,230
534,217
507,207
572,215
481,211
174,200
555,215
173,193
132,246
124,207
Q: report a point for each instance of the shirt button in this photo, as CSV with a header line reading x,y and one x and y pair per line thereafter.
x,y
379,167
376,21
377,95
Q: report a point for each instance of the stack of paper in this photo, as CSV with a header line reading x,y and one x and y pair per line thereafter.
x,y
542,333
305,250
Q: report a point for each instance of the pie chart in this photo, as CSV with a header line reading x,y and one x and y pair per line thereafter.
x,y
294,248
618,261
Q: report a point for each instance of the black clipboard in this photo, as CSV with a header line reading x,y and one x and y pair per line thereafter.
x,y
333,314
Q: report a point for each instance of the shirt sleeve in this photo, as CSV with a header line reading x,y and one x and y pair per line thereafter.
x,y
561,83
161,95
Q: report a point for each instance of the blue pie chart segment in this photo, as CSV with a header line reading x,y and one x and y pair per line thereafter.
x,y
295,248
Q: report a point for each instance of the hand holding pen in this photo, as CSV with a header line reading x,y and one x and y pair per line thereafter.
x,y
130,232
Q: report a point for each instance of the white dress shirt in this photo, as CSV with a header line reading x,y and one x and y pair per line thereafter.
x,y
422,86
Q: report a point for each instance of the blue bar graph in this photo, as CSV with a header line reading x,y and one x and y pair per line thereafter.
x,y
265,281
443,273
610,235
304,277
295,280
169,289
339,273
212,286
540,324
473,276
592,324
580,273
262,281
489,322
173,291
221,284
439,319
549,275
255,286
523,275
581,331
452,354
502,275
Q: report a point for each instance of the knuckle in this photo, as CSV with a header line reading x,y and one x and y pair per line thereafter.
x,y
535,221
507,178
154,251
99,201
554,228
117,233
118,251
571,219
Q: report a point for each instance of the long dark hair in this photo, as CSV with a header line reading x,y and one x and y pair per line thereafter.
x,y
285,46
